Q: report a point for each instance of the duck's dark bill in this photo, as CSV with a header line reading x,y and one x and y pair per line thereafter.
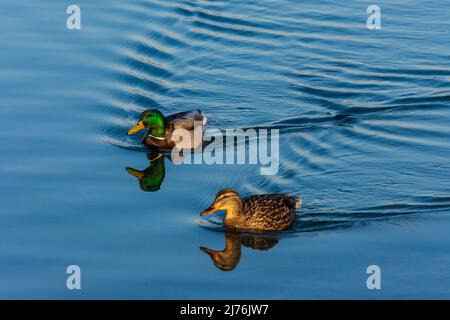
x,y
208,251
209,210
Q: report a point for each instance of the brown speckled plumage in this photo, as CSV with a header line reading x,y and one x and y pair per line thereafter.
x,y
270,212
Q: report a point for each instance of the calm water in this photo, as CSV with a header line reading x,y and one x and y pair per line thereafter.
x,y
365,140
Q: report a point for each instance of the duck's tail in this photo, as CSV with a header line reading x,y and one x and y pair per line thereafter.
x,y
297,202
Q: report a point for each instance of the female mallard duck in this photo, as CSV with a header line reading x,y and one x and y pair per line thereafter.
x,y
161,129
268,212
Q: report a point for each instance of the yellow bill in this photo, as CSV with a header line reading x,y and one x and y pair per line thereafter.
x,y
138,127
135,173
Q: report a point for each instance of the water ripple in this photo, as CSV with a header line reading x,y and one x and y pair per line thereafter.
x,y
351,113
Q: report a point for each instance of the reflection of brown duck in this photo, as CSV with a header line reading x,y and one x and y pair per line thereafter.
x,y
151,178
265,212
228,258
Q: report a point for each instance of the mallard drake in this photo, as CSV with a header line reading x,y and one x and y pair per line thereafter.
x,y
228,258
268,212
151,178
161,129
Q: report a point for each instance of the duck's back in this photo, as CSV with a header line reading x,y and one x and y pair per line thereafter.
x,y
185,120
272,212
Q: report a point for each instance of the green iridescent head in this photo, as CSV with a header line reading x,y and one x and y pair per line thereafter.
x,y
152,119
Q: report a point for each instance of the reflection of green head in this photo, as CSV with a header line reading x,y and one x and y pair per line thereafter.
x,y
151,178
